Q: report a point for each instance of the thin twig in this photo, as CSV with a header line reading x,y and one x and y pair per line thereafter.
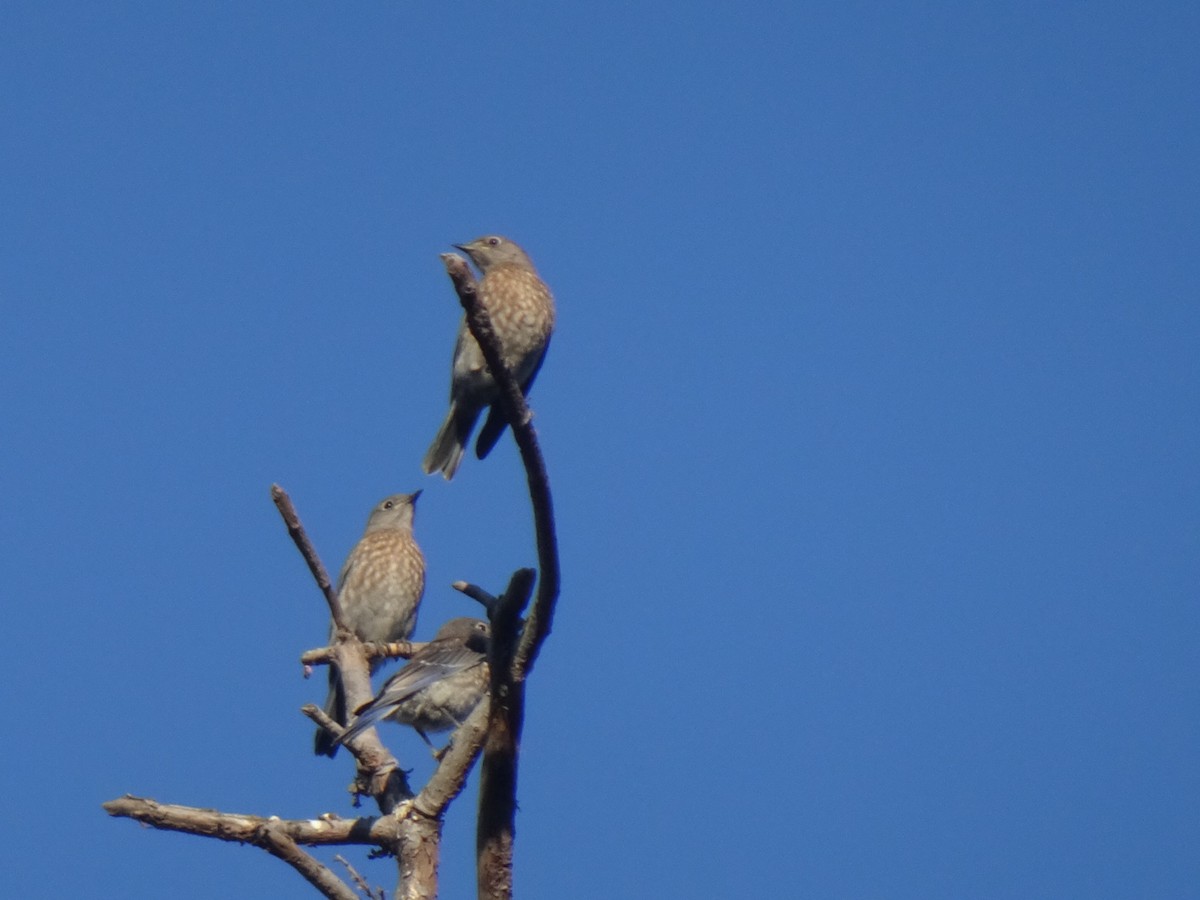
x,y
478,594
359,882
322,718
284,504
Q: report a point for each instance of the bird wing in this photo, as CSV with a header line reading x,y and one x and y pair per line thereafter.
x,y
430,665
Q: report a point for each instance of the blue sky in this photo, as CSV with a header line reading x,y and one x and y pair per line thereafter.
x,y
871,419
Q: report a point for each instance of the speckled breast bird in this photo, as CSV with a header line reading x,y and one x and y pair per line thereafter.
x,y
380,588
522,312
437,689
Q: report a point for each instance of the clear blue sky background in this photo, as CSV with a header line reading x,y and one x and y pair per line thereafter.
x,y
872,419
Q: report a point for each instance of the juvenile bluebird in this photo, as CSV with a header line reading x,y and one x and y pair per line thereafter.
x,y
379,588
437,689
522,313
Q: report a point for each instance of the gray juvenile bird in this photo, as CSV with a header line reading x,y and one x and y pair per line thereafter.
x,y
522,312
380,588
437,689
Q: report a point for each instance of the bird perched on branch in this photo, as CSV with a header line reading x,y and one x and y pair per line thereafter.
x,y
437,689
379,590
522,312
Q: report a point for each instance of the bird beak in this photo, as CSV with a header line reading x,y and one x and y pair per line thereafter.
x,y
412,498
463,247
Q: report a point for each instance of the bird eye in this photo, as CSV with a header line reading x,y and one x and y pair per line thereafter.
x,y
388,504
493,242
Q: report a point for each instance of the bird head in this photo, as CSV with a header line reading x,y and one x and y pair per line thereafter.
x,y
492,250
395,511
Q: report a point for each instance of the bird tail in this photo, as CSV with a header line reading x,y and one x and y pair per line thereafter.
x,y
368,715
446,451
493,429
335,707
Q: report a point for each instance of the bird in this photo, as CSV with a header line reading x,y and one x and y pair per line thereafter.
x,y
521,309
437,689
379,590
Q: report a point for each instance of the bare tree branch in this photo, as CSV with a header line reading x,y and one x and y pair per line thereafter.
x,y
418,858
322,718
520,419
284,504
498,774
451,775
410,835
513,650
478,594
378,773
410,828
279,845
381,831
